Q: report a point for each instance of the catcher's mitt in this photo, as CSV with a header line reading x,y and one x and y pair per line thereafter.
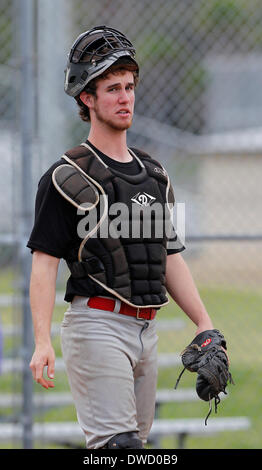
x,y
206,356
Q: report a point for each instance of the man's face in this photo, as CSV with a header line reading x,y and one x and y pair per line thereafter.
x,y
114,101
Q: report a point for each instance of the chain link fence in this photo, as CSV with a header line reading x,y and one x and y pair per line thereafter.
x,y
198,110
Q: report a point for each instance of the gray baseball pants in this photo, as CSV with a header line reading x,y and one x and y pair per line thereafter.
x,y
111,363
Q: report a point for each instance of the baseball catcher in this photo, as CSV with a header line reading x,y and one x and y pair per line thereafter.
x,y
206,355
122,267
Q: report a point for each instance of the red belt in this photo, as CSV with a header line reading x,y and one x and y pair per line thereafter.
x,y
110,304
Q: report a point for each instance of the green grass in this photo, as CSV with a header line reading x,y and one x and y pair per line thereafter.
x,y
237,313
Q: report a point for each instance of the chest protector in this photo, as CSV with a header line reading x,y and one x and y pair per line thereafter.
x,y
126,254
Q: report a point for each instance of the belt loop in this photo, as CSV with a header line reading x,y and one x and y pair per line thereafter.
x,y
80,301
117,306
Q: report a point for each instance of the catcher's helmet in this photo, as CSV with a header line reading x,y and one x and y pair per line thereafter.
x,y
92,53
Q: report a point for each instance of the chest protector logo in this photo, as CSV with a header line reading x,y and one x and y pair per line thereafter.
x,y
143,199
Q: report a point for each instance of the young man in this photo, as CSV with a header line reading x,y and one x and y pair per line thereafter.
x,y
117,283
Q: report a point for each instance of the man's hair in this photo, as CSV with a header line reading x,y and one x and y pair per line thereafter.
x,y
90,88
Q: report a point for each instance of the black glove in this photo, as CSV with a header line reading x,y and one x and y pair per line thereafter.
x,y
205,355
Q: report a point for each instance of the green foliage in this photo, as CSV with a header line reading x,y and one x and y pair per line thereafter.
x,y
153,46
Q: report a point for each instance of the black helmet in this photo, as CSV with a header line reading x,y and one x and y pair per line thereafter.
x,y
92,53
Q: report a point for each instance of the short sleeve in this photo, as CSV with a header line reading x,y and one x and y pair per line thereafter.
x,y
174,244
54,230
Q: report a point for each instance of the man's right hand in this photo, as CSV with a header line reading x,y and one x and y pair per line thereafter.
x,y
43,356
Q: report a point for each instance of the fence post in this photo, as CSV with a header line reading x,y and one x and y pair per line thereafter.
x,y
27,136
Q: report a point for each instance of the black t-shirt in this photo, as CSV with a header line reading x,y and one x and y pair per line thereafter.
x,y
56,219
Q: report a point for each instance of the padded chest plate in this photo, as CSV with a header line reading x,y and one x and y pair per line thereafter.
x,y
131,269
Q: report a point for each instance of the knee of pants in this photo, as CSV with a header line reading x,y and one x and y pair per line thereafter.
x,y
125,440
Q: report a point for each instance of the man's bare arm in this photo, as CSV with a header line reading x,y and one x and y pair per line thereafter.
x,y
42,299
182,288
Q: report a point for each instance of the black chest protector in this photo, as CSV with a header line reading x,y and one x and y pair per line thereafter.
x,y
124,252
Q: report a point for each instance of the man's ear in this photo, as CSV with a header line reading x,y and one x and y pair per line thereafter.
x,y
86,98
